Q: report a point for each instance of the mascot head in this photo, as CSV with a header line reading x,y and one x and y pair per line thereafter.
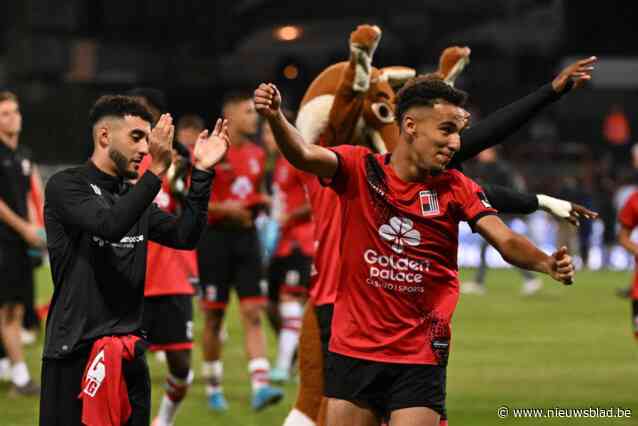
x,y
353,102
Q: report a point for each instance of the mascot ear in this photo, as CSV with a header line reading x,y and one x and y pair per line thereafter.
x,y
452,61
396,76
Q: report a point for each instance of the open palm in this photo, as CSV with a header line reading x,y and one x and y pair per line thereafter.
x,y
210,149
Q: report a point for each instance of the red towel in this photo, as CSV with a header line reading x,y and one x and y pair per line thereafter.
x,y
104,393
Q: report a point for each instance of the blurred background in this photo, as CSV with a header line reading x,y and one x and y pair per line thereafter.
x,y
60,55
567,347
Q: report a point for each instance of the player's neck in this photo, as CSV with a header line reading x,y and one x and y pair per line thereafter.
x,y
104,164
237,138
10,140
405,163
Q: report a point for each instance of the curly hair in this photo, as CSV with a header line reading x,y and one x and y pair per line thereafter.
x,y
118,106
426,90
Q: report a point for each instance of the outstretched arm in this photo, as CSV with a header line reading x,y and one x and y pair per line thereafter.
x,y
302,155
519,251
497,126
510,201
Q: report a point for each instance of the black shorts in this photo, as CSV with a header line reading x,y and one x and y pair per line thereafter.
x,y
229,256
385,387
16,282
168,322
61,385
289,274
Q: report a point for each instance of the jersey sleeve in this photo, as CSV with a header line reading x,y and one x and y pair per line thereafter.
x,y
473,203
628,216
349,157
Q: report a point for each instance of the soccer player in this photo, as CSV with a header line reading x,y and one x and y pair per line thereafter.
x,y
97,229
486,133
229,256
628,219
17,234
399,236
290,266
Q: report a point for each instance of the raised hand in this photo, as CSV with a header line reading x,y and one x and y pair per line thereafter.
x,y
579,72
561,266
160,145
267,100
577,212
210,149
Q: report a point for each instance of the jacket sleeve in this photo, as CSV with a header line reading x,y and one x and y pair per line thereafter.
x,y
75,204
507,200
183,232
494,128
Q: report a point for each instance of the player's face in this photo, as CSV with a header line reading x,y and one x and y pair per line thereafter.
x,y
10,117
128,144
188,135
435,134
242,116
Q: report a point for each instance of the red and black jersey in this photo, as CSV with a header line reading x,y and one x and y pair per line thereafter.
x,y
239,177
398,283
289,195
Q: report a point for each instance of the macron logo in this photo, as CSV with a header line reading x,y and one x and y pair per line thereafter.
x,y
400,232
96,189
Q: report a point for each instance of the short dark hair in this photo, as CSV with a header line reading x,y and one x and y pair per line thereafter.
x,y
236,96
118,106
6,95
426,90
191,121
155,97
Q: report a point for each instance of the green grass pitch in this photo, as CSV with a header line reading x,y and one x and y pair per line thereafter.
x,y
561,348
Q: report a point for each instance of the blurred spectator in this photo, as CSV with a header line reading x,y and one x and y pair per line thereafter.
x,y
188,127
573,190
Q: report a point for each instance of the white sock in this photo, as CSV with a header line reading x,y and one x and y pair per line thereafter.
x,y
5,369
213,372
259,369
175,392
291,313
297,418
20,374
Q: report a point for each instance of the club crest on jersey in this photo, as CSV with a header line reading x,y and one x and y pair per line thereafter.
x,y
484,200
429,203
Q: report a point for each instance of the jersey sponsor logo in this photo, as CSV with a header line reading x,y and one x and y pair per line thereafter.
x,y
486,203
242,187
126,242
400,232
96,189
95,375
429,203
396,269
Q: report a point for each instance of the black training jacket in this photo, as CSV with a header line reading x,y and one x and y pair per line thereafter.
x,y
97,232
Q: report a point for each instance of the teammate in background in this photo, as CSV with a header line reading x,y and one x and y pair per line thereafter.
x,y
289,271
17,234
628,219
490,169
170,276
188,128
229,256
400,234
98,226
